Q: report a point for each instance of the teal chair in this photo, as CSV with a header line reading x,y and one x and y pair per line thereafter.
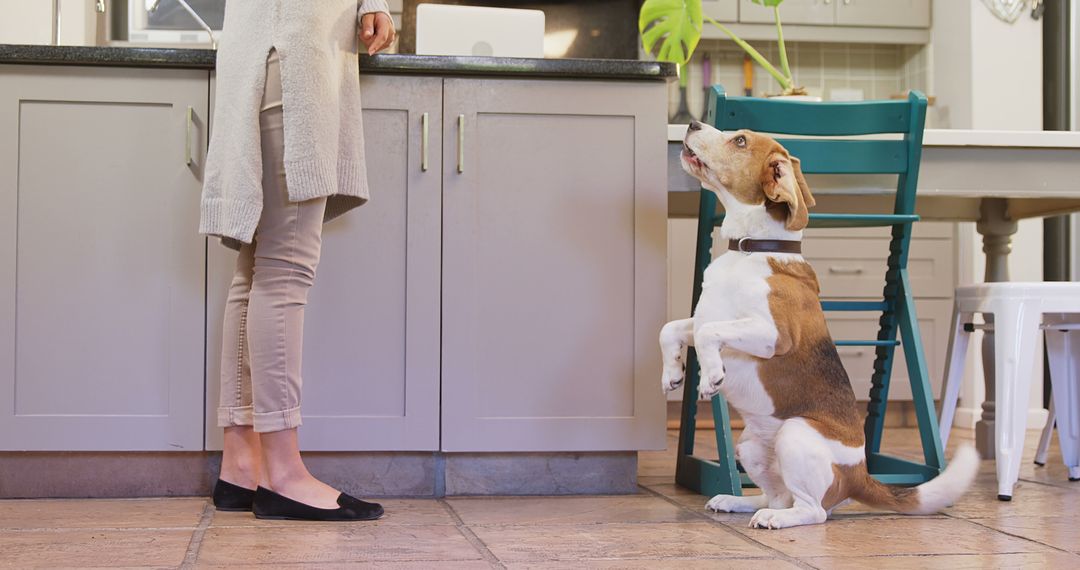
x,y
823,155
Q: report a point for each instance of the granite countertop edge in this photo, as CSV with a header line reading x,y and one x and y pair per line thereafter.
x,y
179,58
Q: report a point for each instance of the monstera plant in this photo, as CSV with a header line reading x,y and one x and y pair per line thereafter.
x,y
673,29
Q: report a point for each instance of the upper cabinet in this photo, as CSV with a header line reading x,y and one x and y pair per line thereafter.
x,y
844,21
864,13
100,174
721,10
883,13
817,12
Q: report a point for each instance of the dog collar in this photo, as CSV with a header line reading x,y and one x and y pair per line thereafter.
x,y
748,246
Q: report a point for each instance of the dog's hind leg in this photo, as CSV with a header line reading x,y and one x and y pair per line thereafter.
x,y
674,337
806,465
757,459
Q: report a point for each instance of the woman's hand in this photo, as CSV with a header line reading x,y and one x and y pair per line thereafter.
x,y
377,31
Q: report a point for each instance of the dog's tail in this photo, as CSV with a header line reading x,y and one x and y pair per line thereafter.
x,y
930,497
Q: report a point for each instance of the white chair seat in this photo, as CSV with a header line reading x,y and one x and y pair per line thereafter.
x,y
1018,312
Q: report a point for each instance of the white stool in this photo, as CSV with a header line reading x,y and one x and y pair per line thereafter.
x,y
1020,311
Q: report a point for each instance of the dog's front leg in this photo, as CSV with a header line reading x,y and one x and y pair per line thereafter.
x,y
754,336
675,336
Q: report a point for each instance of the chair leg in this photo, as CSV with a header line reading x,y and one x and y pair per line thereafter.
x,y
1063,348
1047,432
919,376
954,372
731,480
1015,326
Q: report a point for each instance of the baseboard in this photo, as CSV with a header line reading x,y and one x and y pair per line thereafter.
x,y
366,474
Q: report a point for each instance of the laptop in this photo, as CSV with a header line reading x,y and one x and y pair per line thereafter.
x,y
476,31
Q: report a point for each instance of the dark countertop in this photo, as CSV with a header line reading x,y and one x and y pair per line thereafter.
x,y
413,64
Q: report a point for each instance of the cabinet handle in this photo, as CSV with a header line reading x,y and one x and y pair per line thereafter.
x,y
460,144
424,142
845,270
187,135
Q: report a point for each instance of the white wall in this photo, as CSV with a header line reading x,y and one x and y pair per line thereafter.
x,y
988,75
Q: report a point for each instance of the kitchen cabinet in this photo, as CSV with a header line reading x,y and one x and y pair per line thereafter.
x,y
101,302
721,10
501,292
815,12
883,13
371,342
865,13
553,265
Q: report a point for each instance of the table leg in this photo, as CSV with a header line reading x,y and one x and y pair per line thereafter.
x,y
997,231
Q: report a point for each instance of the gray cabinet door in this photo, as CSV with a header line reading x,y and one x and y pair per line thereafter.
x,y
371,331
818,12
721,10
553,265
883,13
101,297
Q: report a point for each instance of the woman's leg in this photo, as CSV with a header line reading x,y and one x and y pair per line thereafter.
x,y
241,455
287,246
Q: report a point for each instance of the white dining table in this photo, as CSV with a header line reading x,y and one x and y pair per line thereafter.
x,y
992,178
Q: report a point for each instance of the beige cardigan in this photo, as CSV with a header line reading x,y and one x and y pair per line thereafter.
x,y
324,144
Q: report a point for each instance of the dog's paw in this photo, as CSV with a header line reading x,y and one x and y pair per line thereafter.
x,y
733,504
711,379
784,518
674,376
768,518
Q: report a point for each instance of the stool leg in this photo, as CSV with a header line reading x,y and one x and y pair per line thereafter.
x,y
1064,352
1047,432
1015,331
1057,358
954,373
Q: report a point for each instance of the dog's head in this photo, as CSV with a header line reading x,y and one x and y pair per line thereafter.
x,y
750,168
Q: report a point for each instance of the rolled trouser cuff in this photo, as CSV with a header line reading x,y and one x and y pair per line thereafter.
x,y
277,421
235,416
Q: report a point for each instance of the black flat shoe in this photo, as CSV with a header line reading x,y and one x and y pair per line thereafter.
x,y
229,497
270,505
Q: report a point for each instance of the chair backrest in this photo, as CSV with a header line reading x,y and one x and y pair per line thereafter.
x,y
825,155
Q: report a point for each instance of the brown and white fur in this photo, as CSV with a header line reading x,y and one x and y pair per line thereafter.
x,y
761,339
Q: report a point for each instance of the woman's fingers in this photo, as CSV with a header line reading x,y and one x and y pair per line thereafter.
x,y
384,26
367,29
377,32
393,30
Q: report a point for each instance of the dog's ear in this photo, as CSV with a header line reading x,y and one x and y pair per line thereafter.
x,y
783,183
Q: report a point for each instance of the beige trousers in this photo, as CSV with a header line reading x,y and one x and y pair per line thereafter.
x,y
263,334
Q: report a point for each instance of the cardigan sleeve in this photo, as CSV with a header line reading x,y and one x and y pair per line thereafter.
x,y
369,6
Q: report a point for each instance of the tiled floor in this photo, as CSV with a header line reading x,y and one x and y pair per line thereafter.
x,y
661,526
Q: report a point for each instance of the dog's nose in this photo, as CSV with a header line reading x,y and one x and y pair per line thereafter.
x,y
695,125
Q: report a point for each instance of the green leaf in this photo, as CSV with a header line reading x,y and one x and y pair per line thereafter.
x,y
768,3
673,24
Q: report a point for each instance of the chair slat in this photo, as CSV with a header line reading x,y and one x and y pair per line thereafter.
x,y
854,306
810,118
867,343
849,156
848,220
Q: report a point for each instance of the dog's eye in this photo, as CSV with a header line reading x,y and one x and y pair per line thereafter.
x,y
740,141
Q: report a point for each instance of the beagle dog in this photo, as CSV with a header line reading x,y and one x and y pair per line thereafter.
x,y
762,341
